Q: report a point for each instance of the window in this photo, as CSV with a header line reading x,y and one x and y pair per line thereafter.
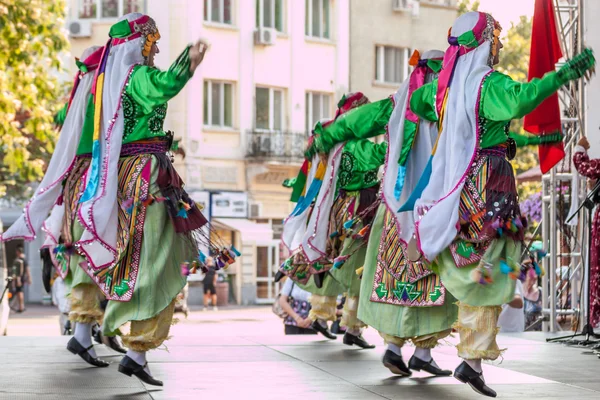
x,y
317,18
218,104
269,109
218,11
269,14
109,9
391,64
318,106
447,3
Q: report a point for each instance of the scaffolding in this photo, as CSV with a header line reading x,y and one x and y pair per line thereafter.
x,y
563,295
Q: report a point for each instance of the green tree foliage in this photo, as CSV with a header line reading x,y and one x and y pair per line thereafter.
x,y
465,6
31,39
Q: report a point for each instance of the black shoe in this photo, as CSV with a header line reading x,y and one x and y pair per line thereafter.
x,y
319,279
466,374
323,330
416,364
278,276
394,363
350,340
130,367
76,348
113,343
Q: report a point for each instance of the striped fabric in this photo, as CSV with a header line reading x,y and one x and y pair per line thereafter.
x,y
134,182
399,281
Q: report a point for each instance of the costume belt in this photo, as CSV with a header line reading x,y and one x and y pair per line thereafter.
x,y
157,145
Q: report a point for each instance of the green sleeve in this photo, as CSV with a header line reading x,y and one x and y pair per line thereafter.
x,y
503,99
533,140
59,117
151,87
372,155
422,101
363,122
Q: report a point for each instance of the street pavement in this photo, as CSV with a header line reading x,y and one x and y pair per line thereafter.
x,y
241,353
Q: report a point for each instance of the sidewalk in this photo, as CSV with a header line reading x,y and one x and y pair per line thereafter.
x,y
243,354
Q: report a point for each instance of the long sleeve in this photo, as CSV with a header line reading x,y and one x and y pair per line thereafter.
x,y
151,87
504,99
585,166
422,101
534,140
363,122
370,154
61,115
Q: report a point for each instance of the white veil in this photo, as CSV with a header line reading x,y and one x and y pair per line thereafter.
x,y
457,147
47,193
99,215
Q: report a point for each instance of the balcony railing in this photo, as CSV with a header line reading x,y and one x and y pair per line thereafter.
x,y
280,146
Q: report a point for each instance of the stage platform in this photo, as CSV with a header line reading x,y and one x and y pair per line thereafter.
x,y
252,359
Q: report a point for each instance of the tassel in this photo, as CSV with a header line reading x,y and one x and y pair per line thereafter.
x,y
182,213
538,269
349,224
220,263
499,232
59,201
334,234
339,261
202,257
364,231
360,271
505,268
149,200
477,275
235,251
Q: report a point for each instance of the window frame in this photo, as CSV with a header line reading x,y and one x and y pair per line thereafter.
x,y
310,119
221,21
209,105
98,16
308,27
260,22
380,63
271,127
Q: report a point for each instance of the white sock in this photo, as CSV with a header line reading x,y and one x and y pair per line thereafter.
x,y
354,332
139,358
323,323
395,349
423,354
83,334
475,364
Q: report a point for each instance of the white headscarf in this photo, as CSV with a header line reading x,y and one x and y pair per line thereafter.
x,y
46,195
99,215
53,225
458,143
417,160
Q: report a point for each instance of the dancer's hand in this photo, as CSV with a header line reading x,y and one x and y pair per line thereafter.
x,y
197,53
583,142
582,65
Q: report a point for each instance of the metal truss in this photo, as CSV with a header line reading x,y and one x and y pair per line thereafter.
x,y
566,243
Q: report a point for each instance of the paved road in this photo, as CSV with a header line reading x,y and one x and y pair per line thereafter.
x,y
242,354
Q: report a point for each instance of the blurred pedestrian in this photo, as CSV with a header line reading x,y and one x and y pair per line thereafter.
x,y
21,277
294,301
210,285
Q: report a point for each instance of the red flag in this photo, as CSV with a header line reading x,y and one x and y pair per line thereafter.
x,y
545,53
